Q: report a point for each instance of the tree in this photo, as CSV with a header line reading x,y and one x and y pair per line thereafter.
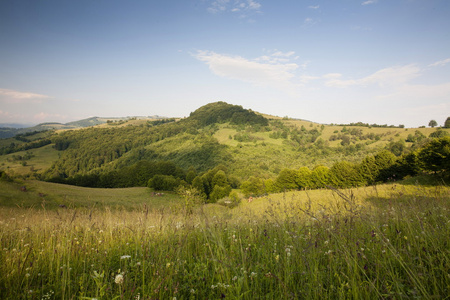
x,y
438,133
253,186
384,160
447,123
432,123
320,177
286,180
436,155
345,174
303,178
164,183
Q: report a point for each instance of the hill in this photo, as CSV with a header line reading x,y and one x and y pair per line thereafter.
x,y
218,136
11,130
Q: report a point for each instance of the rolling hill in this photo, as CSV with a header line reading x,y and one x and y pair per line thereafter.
x,y
219,134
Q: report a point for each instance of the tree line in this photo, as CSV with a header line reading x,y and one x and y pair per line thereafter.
x,y
433,157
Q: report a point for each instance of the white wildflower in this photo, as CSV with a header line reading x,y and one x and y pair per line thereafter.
x,y
119,279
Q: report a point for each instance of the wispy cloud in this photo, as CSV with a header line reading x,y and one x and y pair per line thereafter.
x,y
17,96
369,2
393,76
309,22
42,116
440,63
314,6
275,70
235,6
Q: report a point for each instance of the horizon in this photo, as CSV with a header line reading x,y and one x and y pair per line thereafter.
x,y
370,61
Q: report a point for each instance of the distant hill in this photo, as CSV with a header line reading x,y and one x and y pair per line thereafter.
x,y
11,130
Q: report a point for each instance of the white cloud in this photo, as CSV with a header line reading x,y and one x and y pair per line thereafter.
x,y
369,2
11,96
440,63
393,76
235,6
308,22
314,6
267,70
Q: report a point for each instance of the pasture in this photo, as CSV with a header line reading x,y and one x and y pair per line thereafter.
x,y
389,241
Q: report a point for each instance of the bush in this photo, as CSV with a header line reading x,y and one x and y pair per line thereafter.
x,y
164,183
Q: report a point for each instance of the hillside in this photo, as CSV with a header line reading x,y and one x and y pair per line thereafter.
x,y
218,135
11,131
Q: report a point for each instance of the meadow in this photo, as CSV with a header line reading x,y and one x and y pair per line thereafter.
x,y
383,242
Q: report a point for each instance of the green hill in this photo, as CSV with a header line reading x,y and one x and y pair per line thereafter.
x,y
218,135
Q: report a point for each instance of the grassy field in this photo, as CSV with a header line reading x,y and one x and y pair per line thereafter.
x,y
52,195
383,242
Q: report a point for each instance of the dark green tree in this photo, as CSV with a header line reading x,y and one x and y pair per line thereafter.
x,y
345,174
254,186
303,178
447,123
286,180
436,155
320,177
432,123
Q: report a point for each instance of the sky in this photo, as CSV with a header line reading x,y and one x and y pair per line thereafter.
x,y
326,61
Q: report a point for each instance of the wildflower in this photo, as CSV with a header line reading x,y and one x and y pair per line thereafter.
x,y
192,291
235,278
253,274
168,265
125,256
119,279
405,237
277,257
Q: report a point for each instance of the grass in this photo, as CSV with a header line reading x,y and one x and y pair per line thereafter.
x,y
53,195
41,160
384,242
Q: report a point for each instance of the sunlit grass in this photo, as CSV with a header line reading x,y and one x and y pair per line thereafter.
x,y
383,242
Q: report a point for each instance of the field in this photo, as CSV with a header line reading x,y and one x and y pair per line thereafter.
x,y
382,242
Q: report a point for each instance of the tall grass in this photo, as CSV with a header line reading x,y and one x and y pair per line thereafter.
x,y
365,244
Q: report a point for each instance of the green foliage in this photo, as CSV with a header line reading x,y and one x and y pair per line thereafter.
x,y
286,180
439,133
320,177
221,112
436,155
432,123
345,174
417,137
164,183
397,147
254,186
303,178
214,184
447,123
219,192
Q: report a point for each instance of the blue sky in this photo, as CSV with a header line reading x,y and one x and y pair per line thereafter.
x,y
328,61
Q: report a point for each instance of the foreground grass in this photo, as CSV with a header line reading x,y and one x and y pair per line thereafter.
x,y
387,242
